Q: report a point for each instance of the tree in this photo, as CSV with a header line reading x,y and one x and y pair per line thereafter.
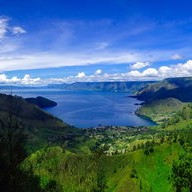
x,y
12,153
182,173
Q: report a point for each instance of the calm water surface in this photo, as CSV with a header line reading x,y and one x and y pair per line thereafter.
x,y
89,109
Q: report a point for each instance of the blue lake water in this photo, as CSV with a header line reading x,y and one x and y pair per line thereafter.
x,y
89,109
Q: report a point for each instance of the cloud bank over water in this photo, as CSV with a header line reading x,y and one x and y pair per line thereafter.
x,y
178,70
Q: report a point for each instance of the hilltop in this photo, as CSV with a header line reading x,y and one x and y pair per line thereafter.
x,y
179,88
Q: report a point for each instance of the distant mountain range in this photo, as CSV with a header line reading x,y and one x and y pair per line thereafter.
x,y
130,86
179,88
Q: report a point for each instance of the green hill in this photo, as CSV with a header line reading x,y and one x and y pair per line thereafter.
x,y
129,172
159,110
179,88
40,127
182,119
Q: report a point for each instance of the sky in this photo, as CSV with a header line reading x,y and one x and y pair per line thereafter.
x,y
61,41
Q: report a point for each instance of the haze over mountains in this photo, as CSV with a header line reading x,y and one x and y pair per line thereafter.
x,y
130,86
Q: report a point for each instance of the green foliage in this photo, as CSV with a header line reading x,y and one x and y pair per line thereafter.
x,y
40,127
182,172
134,171
134,174
161,110
12,153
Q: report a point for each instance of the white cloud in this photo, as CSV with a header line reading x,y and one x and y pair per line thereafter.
x,y
150,72
18,30
176,57
98,72
140,65
81,75
165,71
178,70
6,28
47,59
3,78
3,27
26,80
135,74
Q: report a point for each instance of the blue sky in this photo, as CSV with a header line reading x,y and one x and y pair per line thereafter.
x,y
60,41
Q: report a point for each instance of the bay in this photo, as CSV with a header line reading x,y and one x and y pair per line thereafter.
x,y
86,109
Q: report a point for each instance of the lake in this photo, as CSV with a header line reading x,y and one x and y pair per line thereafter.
x,y
85,109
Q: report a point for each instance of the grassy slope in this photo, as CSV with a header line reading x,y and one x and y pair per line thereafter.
x,y
158,110
80,172
181,120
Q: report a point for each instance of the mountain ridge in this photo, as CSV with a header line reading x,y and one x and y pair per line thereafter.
x,y
171,87
130,86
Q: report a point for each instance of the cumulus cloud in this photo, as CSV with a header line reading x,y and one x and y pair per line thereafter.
x,y
26,80
81,75
30,81
98,72
176,57
140,65
150,72
178,70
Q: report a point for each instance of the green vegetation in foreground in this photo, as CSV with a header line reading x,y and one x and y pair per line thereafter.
x,y
159,110
134,171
